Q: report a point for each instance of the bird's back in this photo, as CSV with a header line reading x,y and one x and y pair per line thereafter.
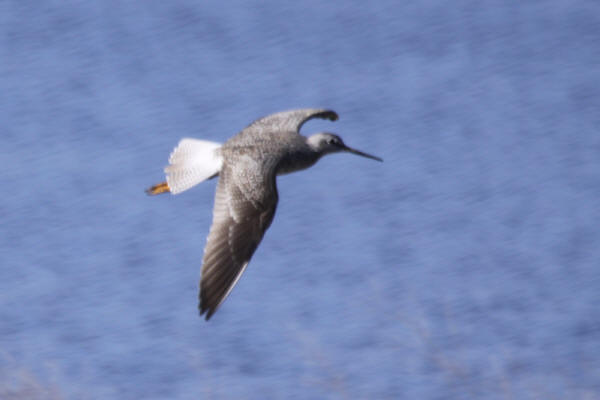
x,y
274,142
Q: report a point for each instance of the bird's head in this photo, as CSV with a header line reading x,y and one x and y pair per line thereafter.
x,y
326,143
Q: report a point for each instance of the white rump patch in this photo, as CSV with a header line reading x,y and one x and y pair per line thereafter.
x,y
192,162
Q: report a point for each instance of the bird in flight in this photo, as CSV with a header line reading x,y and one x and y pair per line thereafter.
x,y
246,197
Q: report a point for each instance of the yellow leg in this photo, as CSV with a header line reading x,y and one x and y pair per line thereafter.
x,y
158,189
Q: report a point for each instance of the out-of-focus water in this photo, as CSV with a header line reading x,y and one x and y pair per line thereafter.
x,y
464,266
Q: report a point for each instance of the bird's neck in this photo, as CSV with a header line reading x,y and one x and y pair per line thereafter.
x,y
297,161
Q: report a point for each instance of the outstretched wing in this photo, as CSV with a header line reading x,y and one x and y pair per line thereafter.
x,y
245,204
290,121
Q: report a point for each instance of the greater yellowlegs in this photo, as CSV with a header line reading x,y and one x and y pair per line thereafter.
x,y
246,196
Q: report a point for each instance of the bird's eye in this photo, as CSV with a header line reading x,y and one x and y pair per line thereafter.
x,y
332,142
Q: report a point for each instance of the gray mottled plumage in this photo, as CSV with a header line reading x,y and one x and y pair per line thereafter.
x,y
246,195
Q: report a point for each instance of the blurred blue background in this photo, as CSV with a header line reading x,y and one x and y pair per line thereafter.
x,y
464,266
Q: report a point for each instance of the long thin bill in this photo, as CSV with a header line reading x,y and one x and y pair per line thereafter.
x,y
360,153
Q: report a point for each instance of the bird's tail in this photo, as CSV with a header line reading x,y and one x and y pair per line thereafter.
x,y
190,163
